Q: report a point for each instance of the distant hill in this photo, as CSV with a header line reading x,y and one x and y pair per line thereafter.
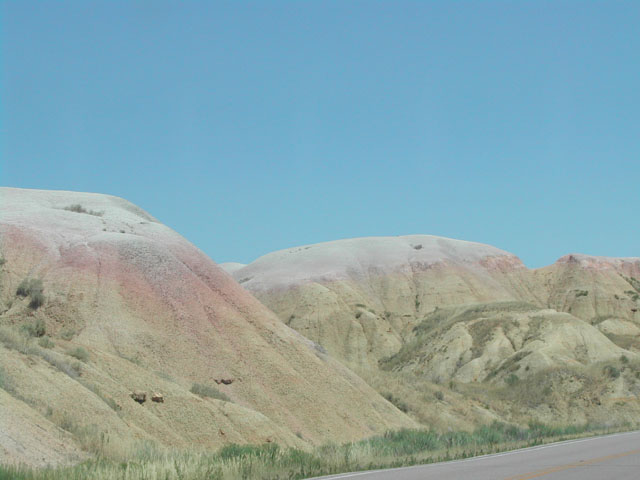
x,y
469,317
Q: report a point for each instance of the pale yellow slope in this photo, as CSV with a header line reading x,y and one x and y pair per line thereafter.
x,y
155,314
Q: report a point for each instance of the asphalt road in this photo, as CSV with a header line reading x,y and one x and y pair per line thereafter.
x,y
611,457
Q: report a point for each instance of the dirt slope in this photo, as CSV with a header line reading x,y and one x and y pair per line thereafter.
x,y
130,305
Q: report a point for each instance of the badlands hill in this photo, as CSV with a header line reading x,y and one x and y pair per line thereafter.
x,y
361,298
470,316
98,300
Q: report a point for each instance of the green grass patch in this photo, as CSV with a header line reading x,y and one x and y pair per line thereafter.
x,y
269,461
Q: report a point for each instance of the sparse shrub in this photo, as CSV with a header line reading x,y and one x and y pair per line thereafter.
x,y
108,400
634,282
67,333
135,359
398,403
19,341
76,367
37,300
77,208
612,371
439,395
581,293
624,359
39,328
46,342
66,423
15,340
29,286
512,379
5,381
113,405
23,288
60,362
319,348
165,376
33,289
2,261
36,329
208,391
634,295
79,353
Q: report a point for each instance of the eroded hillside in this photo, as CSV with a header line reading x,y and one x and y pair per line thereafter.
x,y
466,319
99,300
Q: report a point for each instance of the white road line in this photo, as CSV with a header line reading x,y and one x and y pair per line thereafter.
x,y
480,457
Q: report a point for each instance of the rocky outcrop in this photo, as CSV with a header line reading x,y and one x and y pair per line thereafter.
x,y
139,397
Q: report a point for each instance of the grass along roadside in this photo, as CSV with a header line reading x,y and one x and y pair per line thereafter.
x,y
269,461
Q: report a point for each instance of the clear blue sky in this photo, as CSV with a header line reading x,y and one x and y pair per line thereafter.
x,y
251,127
